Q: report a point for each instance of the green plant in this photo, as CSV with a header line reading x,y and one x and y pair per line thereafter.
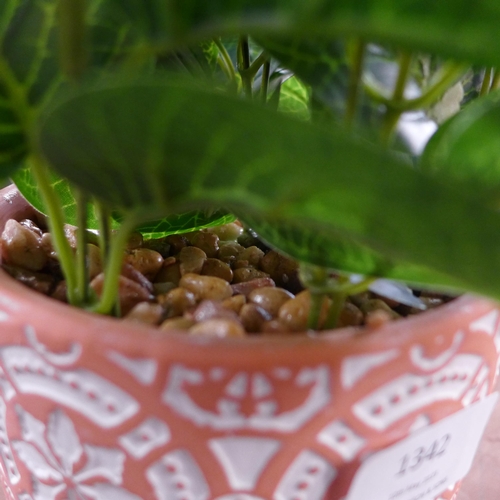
x,y
116,113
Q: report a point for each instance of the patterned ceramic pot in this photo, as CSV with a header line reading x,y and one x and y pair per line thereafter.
x,y
93,408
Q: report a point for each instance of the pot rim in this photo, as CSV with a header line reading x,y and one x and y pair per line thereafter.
x,y
14,297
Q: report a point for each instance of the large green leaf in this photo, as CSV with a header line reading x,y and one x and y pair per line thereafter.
x,y
455,28
30,74
194,149
466,148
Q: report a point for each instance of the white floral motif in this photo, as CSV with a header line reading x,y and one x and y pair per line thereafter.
x,y
59,462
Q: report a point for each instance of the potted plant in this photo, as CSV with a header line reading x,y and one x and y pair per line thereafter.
x,y
101,129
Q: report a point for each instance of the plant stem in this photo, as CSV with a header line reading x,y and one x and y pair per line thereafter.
x,y
448,75
56,225
81,247
244,64
338,301
355,78
114,262
485,86
72,47
496,80
264,86
231,72
393,113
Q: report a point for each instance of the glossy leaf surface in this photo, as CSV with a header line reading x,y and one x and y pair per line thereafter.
x,y
344,203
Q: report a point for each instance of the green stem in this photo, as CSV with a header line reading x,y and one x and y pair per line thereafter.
x,y
72,34
226,58
315,310
393,113
253,69
81,247
495,84
244,64
485,86
264,87
110,292
446,77
56,225
339,296
338,301
355,78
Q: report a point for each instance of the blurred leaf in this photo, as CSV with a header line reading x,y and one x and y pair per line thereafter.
x,y
344,204
422,25
30,74
466,148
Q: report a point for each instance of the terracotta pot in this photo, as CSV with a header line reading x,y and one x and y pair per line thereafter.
x,y
95,408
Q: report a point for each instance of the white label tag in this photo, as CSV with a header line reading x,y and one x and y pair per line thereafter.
x,y
423,465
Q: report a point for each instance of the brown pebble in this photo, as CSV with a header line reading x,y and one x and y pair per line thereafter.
x,y
227,232
22,247
146,313
350,315
234,303
208,242
135,240
177,242
176,302
217,268
206,287
170,272
220,328
270,298
229,251
209,309
191,260
94,260
274,326
282,269
377,318
246,287
251,254
40,282
378,304
132,273
29,224
177,324
146,261
294,313
61,292
130,292
253,316
247,274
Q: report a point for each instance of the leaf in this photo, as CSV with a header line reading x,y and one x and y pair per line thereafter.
x,y
421,25
25,182
294,99
198,149
29,69
184,223
466,149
